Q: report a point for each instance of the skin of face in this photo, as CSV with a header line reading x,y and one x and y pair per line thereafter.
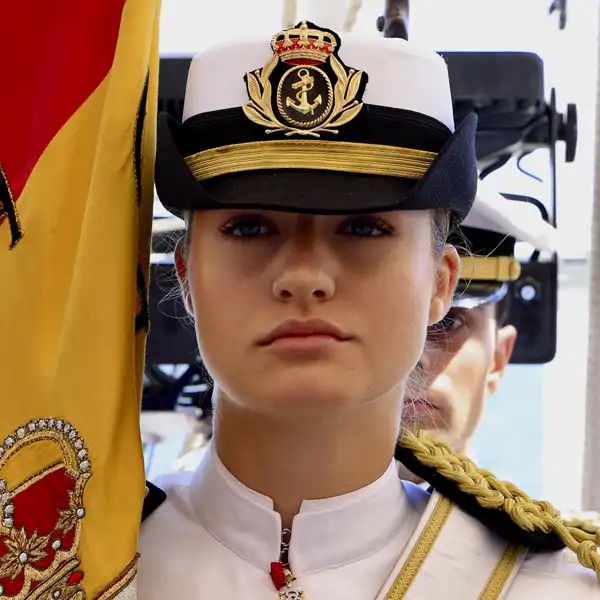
x,y
374,277
465,358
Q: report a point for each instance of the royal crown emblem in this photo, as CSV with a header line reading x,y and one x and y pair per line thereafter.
x,y
41,514
304,89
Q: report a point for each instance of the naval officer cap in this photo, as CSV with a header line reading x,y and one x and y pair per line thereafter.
x,y
308,122
489,235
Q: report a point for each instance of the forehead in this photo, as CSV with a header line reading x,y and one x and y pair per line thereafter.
x,y
198,217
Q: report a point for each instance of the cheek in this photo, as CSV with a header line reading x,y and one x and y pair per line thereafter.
x,y
399,299
222,304
465,375
407,287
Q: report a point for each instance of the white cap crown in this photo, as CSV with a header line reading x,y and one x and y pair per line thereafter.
x,y
522,221
400,74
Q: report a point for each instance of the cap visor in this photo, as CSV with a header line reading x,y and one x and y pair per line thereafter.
x,y
449,183
325,192
474,294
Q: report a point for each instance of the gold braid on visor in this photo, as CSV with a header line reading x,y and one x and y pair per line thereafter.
x,y
349,157
491,268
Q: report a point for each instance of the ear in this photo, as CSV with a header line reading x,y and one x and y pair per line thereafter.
x,y
182,276
505,343
447,274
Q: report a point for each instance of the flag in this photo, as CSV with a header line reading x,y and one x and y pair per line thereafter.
x,y
78,98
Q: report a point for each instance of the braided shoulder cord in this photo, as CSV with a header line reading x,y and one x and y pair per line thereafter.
x,y
492,494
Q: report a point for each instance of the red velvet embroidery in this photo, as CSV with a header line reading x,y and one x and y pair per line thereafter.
x,y
36,511
41,517
278,575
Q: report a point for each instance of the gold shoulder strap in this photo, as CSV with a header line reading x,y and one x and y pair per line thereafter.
x,y
490,493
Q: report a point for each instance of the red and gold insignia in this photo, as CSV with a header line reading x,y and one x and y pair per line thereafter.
x,y
41,517
305,89
283,580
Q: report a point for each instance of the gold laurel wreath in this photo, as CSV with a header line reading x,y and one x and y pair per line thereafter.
x,y
345,106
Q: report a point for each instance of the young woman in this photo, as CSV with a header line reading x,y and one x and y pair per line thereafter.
x,y
319,178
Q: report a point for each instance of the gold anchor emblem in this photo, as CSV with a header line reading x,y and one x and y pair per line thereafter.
x,y
306,83
304,89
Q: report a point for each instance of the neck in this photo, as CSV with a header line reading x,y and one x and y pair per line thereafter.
x,y
291,461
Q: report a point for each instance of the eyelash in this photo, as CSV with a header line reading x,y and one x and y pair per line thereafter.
x,y
229,228
449,324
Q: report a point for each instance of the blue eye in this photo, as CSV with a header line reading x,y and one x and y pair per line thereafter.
x,y
247,228
366,226
449,324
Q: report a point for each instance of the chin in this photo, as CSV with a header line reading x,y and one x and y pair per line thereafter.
x,y
303,390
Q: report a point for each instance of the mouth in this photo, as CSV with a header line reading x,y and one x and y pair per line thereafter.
x,y
304,333
304,330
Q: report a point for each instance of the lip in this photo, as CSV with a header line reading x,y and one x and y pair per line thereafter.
x,y
308,331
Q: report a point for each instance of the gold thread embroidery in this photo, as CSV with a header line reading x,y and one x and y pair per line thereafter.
x,y
19,544
303,105
122,580
31,573
66,446
54,583
490,268
309,46
55,577
350,157
421,550
300,42
495,584
35,478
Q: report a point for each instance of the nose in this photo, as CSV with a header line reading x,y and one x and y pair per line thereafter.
x,y
306,265
304,284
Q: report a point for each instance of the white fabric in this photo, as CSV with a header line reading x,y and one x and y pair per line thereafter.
x,y
214,538
463,537
401,75
523,221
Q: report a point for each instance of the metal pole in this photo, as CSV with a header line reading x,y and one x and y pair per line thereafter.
x,y
591,482
394,22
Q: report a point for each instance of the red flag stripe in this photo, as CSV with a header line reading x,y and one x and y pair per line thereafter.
x,y
53,56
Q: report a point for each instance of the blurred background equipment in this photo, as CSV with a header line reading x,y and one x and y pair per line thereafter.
x,y
560,7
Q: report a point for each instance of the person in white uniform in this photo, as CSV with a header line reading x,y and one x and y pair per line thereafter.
x,y
467,353
318,178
